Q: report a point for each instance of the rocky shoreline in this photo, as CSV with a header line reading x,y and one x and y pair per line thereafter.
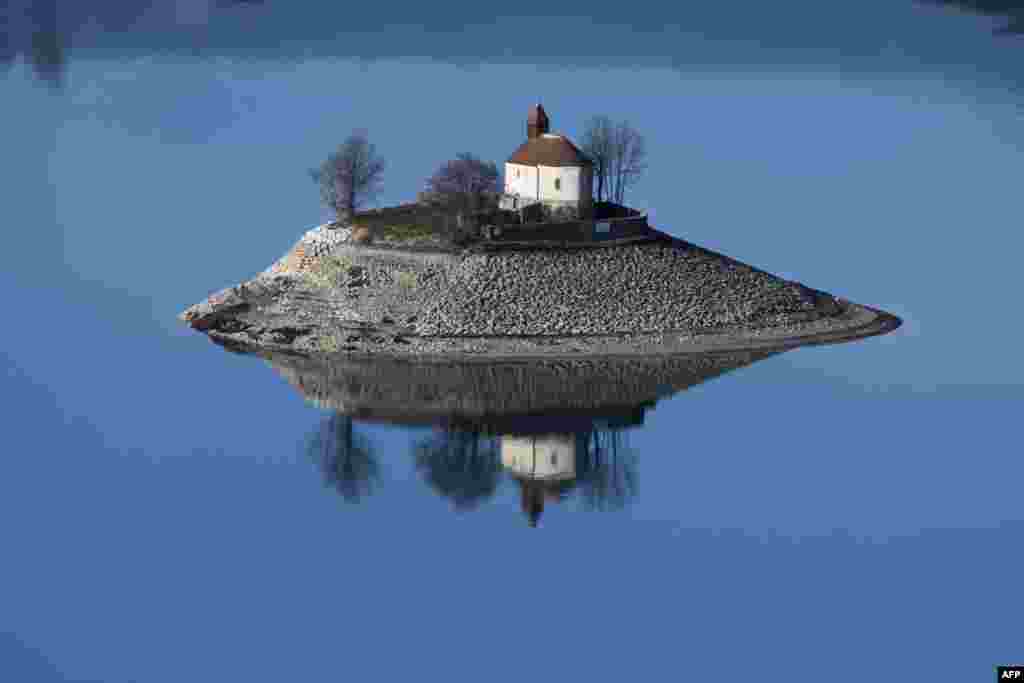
x,y
663,295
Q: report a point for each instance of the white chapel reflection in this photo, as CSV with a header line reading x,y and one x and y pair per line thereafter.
x,y
542,465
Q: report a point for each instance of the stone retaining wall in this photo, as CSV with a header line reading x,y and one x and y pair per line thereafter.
x,y
575,231
311,247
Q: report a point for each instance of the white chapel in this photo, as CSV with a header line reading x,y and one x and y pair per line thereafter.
x,y
548,168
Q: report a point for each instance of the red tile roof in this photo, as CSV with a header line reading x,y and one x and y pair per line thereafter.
x,y
549,150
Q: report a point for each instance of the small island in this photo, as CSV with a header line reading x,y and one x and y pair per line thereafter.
x,y
538,266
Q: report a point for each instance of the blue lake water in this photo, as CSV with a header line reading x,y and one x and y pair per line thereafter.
x,y
853,508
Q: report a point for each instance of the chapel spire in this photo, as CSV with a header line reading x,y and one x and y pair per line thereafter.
x,y
537,122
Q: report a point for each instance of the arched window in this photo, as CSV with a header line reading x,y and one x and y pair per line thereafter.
x,y
558,183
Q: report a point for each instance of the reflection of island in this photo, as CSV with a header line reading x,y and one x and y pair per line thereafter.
x,y
499,396
554,427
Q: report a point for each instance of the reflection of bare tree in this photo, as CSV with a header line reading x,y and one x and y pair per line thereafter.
x,y
8,34
346,458
464,467
605,469
133,27
45,50
43,30
1011,10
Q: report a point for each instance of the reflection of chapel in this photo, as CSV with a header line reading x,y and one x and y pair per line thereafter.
x,y
548,168
541,464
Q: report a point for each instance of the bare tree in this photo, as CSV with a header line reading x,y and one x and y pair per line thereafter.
x,y
619,155
629,154
350,175
597,144
465,183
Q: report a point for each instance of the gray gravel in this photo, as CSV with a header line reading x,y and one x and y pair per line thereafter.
x,y
630,289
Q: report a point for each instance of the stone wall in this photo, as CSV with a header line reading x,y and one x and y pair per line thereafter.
x,y
575,231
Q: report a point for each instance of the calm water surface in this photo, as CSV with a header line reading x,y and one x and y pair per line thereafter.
x,y
173,512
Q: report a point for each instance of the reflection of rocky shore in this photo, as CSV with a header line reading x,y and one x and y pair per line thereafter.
x,y
495,396
555,428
